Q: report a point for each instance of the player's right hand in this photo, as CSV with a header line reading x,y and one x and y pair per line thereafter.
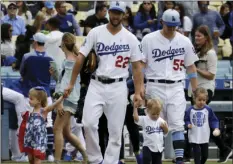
x,y
137,100
190,126
68,90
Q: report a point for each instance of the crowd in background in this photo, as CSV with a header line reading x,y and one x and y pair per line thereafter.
x,y
24,19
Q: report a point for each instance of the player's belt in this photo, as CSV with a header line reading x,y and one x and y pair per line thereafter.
x,y
164,81
105,80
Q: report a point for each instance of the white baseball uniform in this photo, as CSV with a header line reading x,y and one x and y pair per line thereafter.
x,y
114,53
165,70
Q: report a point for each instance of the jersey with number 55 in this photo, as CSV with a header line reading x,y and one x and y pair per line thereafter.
x,y
114,52
167,59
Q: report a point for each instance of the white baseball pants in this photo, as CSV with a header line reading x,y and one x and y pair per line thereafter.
x,y
174,103
112,100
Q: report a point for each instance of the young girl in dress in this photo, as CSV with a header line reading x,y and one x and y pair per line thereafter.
x,y
33,133
199,119
154,128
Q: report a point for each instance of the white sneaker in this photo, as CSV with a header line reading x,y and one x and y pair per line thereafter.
x,y
51,158
23,158
78,157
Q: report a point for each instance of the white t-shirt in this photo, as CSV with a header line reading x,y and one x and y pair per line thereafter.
x,y
52,48
152,133
7,48
166,58
27,17
113,51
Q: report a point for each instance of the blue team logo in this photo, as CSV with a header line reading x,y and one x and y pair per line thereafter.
x,y
173,19
159,54
113,49
199,119
151,130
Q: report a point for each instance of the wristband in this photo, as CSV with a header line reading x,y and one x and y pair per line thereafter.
x,y
192,75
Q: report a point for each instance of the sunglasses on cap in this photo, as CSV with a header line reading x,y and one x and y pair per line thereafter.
x,y
146,3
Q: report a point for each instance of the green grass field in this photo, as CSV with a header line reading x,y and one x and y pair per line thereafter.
x,y
210,162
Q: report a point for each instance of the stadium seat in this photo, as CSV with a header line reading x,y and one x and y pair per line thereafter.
x,y
223,64
212,8
216,3
135,8
80,40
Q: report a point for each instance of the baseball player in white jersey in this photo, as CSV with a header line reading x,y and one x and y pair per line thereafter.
x,y
115,47
168,55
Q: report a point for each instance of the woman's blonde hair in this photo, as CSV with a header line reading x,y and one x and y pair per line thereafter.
x,y
40,95
199,91
203,29
39,19
154,104
69,41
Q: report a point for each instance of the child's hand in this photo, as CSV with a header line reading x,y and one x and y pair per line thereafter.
x,y
60,110
190,126
164,126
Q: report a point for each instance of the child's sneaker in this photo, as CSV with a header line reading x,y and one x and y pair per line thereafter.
x,y
139,158
79,157
51,158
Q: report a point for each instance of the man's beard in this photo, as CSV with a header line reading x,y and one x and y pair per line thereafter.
x,y
115,25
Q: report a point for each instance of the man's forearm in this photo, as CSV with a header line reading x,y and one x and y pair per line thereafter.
x,y
137,76
77,68
192,75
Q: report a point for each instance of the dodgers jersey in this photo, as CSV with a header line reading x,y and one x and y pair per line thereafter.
x,y
201,121
152,133
114,52
167,59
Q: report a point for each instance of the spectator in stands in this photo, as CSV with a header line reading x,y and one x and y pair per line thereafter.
x,y
225,14
54,41
210,18
18,100
49,10
164,6
206,71
39,22
68,107
97,19
230,20
16,22
34,70
34,6
7,47
3,10
128,20
68,22
24,12
186,24
145,19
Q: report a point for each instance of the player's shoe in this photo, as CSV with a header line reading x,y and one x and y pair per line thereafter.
x,y
139,158
186,160
226,156
67,157
51,158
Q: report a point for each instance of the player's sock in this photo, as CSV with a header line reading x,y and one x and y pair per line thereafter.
x,y
178,144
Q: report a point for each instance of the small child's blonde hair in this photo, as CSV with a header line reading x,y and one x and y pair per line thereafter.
x,y
200,91
154,104
40,95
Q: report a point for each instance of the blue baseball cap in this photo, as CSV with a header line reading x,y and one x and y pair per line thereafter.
x,y
49,4
118,5
171,18
40,37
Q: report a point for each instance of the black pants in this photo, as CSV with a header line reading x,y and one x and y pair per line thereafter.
x,y
217,139
149,156
133,131
200,153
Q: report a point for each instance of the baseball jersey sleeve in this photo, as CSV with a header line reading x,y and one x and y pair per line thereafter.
x,y
141,121
144,49
136,51
213,120
190,55
88,43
